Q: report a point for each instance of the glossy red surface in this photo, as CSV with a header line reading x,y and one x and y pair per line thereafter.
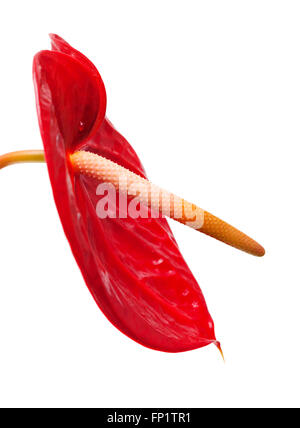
x,y
132,267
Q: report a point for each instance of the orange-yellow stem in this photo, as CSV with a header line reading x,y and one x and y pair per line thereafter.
x,y
22,157
177,208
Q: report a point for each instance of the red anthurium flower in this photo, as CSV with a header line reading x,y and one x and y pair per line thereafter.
x,y
132,267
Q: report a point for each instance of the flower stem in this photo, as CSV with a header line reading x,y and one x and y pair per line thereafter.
x,y
22,157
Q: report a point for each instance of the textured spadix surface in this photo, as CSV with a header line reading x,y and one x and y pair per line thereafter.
x,y
132,267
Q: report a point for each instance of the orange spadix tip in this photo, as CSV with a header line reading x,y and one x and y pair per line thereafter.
x,y
219,229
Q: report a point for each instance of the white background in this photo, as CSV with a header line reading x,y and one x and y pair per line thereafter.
x,y
208,93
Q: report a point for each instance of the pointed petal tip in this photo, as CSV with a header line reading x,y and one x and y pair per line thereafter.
x,y
218,345
54,36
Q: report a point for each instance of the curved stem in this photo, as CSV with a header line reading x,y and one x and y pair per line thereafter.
x,y
23,156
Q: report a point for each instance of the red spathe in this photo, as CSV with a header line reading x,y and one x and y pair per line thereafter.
x,y
132,267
